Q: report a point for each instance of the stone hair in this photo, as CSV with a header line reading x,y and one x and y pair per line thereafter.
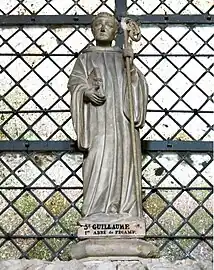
x,y
104,14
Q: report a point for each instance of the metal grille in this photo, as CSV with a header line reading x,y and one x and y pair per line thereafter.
x,y
165,55
52,7
43,207
40,182
170,7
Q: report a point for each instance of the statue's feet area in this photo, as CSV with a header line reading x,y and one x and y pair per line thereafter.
x,y
110,218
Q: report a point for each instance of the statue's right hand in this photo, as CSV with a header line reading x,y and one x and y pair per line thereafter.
x,y
93,96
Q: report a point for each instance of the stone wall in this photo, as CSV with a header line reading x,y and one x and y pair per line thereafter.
x,y
146,264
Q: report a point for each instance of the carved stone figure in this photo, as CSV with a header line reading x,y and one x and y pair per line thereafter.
x,y
108,105
101,118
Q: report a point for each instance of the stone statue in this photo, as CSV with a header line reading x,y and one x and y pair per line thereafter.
x,y
100,114
101,118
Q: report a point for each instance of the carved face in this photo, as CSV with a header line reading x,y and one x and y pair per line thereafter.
x,y
104,29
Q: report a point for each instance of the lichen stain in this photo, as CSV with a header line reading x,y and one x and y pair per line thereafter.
x,y
33,60
26,204
182,136
205,2
57,204
38,160
2,117
159,171
22,10
3,136
16,98
189,159
204,164
154,205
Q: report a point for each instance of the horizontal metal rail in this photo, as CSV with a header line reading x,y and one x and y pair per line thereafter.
x,y
58,187
146,146
73,236
60,20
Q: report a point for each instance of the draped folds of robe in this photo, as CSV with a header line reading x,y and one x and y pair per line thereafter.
x,y
104,131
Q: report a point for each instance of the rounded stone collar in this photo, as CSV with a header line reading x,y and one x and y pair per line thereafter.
x,y
103,49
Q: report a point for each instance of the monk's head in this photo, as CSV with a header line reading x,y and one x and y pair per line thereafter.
x,y
104,27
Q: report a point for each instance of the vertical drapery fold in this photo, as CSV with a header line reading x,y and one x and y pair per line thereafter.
x,y
104,131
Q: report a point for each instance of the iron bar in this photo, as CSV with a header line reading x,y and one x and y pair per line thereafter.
x,y
146,146
64,110
54,20
120,7
57,188
73,236
85,20
136,54
174,19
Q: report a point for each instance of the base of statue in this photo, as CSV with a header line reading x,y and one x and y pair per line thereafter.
x,y
114,229
113,247
112,225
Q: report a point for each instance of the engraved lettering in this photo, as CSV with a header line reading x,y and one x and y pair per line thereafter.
x,y
94,227
86,226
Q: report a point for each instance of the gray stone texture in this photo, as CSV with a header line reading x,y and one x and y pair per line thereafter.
x,y
127,248
141,264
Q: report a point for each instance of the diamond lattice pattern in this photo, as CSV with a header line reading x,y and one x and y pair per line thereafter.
x,y
55,7
139,7
34,202
34,100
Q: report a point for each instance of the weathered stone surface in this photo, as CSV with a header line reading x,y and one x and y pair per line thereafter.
x,y
206,265
113,247
40,265
106,264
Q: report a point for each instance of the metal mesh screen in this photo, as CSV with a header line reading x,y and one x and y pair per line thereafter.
x,y
53,7
170,7
37,81
34,75
42,195
41,192
136,7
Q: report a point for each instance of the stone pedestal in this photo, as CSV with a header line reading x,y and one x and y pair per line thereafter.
x,y
119,248
117,237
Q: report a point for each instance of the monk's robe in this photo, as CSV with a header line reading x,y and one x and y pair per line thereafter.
x,y
104,131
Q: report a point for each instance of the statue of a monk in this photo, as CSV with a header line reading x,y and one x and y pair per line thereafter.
x,y
101,118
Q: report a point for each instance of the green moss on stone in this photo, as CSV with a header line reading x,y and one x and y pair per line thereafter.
x,y
26,204
57,204
3,136
70,220
40,251
154,205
